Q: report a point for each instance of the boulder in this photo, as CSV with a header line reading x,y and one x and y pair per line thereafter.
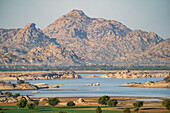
x,y
44,99
80,101
35,92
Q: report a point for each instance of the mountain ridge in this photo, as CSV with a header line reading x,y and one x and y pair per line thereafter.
x,y
75,38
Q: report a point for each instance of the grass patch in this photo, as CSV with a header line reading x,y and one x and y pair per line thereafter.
x,y
48,109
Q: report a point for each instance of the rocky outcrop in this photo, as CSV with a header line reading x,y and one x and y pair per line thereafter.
x,y
96,84
90,76
70,75
150,84
129,74
40,76
11,99
80,101
12,86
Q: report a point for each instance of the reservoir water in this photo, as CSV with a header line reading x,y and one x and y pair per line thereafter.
x,y
75,88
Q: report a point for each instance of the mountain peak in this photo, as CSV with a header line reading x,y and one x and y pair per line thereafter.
x,y
30,25
76,12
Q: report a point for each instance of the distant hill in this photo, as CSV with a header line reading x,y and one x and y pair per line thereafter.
x,y
30,45
75,38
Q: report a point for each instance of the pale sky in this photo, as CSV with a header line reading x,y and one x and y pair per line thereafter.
x,y
147,15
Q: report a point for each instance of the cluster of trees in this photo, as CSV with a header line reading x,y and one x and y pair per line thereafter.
x,y
105,100
76,68
22,103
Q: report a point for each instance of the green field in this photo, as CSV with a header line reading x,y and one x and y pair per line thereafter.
x,y
48,109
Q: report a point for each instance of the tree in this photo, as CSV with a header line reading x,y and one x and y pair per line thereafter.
x,y
30,106
1,93
112,102
103,100
71,104
8,94
36,103
98,110
53,101
136,110
126,110
16,95
0,108
166,103
21,103
137,105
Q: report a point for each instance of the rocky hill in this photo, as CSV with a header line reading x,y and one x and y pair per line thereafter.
x,y
90,41
157,53
98,40
30,45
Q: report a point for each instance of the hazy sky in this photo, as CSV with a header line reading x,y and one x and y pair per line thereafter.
x,y
147,15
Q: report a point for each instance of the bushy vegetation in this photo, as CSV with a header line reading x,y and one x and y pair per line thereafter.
x,y
166,103
137,105
112,102
16,95
21,103
126,110
70,103
36,103
103,100
53,101
76,68
98,110
31,106
8,94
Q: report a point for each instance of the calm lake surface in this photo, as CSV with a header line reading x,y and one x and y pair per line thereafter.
x,y
75,88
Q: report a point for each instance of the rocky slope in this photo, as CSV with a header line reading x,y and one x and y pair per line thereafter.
x,y
98,40
30,45
12,86
157,53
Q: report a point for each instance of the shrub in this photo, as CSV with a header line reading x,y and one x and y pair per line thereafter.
x,y
0,108
136,110
103,100
166,103
98,110
126,110
138,104
30,106
21,103
8,94
16,95
53,101
71,104
36,103
112,102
